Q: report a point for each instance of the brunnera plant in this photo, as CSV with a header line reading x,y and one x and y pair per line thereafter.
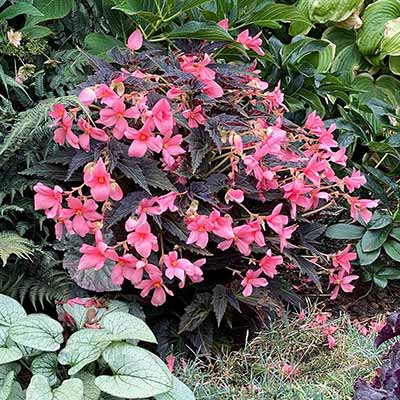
x,y
102,355
189,166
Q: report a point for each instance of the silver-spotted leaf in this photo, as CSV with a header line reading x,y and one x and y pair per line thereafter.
x,y
39,389
10,310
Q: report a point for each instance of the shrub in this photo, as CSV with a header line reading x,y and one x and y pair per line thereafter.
x,y
231,175
30,344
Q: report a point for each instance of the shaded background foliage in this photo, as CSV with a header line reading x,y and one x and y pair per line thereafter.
x,y
321,64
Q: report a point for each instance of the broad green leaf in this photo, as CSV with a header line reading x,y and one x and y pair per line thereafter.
x,y
395,233
39,389
99,44
345,231
6,386
179,391
392,248
36,31
374,239
138,373
46,365
348,60
391,87
201,31
374,19
50,9
390,45
379,220
84,347
3,335
340,37
9,354
38,331
90,390
126,326
10,311
394,65
367,258
20,8
322,11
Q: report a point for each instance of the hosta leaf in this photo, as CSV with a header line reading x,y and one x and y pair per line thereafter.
x,y
39,389
367,258
373,239
126,326
84,347
390,45
392,248
374,19
38,331
10,354
201,31
394,65
137,373
345,231
179,391
323,11
340,37
10,310
46,364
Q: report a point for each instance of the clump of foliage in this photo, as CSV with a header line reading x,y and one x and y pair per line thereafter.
x,y
185,155
102,354
386,383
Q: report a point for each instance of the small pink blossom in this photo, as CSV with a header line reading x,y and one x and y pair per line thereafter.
x,y
360,208
355,181
224,24
199,228
194,117
143,140
82,213
252,43
342,258
252,280
93,256
162,117
143,240
125,268
341,281
166,202
236,195
135,40
176,267
269,263
87,96
48,199
154,283
276,221
171,147
64,133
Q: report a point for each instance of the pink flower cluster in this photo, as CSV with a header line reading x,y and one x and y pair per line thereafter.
x,y
154,123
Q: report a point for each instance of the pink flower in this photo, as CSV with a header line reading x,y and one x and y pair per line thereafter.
x,y
101,185
286,234
135,40
106,94
243,237
236,195
198,67
342,258
249,42
314,123
57,112
143,140
93,256
269,263
64,132
252,280
48,199
359,207
87,96
199,228
276,221
143,240
355,181
116,116
313,170
176,267
339,157
162,117
154,283
63,220
82,212
221,226
125,268
174,92
166,202
212,89
341,281
290,370
171,147
170,362
195,117
147,206
90,131
294,192
224,24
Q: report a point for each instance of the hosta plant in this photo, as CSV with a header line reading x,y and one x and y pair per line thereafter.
x,y
178,166
99,359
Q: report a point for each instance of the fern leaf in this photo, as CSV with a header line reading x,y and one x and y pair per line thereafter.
x,y
11,243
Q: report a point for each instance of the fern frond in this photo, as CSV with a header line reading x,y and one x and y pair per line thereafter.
x,y
11,243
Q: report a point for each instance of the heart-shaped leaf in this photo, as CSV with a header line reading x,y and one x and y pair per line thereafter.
x,y
179,391
10,354
138,373
10,310
39,389
38,331
46,364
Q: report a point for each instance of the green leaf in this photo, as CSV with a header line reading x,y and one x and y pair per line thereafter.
x,y
200,31
84,347
46,365
179,391
39,389
340,37
90,390
10,311
137,373
36,32
374,19
20,8
374,239
99,44
322,11
50,9
10,354
12,243
379,220
367,258
390,45
392,248
345,231
126,326
6,386
394,65
395,233
38,331
219,302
